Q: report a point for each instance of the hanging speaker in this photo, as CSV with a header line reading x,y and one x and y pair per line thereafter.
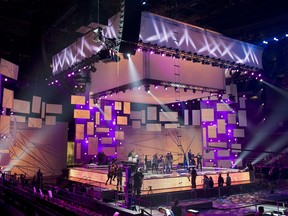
x,y
129,25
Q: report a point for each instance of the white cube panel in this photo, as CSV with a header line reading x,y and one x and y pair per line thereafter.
x,y
36,104
136,124
78,150
242,103
171,126
81,114
78,100
118,105
222,107
218,144
126,108
8,98
43,110
168,116
238,132
212,131
109,151
18,118
153,127
186,117
107,113
119,135
50,120
106,140
136,115
207,114
232,119
209,164
196,117
151,113
54,108
224,163
122,120
90,128
35,122
223,153
204,139
236,148
92,146
209,155
242,118
9,69
79,132
221,126
4,124
143,120
21,106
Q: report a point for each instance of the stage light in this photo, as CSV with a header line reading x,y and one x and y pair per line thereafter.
x,y
275,39
92,69
147,88
265,42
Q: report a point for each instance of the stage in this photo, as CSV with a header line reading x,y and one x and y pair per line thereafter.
x,y
157,183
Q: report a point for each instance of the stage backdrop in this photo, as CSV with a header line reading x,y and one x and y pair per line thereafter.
x,y
34,148
174,140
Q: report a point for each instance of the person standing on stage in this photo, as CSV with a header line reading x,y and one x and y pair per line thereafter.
x,y
138,179
166,168
206,182
211,182
220,180
155,163
228,180
190,157
193,177
199,162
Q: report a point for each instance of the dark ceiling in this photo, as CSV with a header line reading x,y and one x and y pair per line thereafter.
x,y
33,30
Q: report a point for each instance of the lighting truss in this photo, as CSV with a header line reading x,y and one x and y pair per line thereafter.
x,y
194,57
149,82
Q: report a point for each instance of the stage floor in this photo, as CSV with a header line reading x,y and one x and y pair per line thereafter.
x,y
157,183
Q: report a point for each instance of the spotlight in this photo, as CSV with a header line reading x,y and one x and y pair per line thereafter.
x,y
98,35
92,69
147,88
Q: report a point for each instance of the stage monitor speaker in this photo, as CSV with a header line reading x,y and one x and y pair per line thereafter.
x,y
131,26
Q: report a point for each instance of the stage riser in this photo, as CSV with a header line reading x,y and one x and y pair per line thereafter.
x,y
159,183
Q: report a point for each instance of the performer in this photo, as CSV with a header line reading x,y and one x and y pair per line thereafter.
x,y
138,179
155,163
190,157
199,162
220,180
193,177
228,180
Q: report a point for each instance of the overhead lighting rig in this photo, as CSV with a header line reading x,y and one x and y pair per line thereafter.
x,y
194,57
